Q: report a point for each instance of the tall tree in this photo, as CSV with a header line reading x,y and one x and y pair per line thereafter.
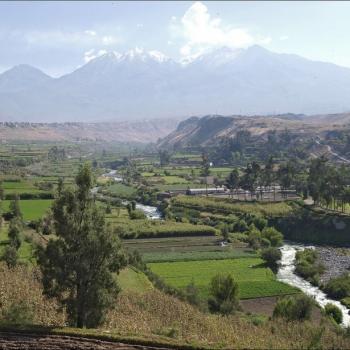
x,y
78,267
233,180
164,157
15,208
14,233
205,170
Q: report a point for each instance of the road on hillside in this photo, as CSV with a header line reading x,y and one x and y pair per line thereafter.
x,y
33,341
329,149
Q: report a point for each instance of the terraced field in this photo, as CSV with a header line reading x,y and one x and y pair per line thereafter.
x,y
254,279
32,209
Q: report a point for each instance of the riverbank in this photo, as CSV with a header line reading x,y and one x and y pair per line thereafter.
x,y
287,275
335,260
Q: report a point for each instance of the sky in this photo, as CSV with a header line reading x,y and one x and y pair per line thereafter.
x,y
58,37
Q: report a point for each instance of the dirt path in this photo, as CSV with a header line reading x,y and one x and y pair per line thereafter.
x,y
32,341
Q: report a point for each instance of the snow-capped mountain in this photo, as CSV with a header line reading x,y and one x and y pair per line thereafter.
x,y
139,84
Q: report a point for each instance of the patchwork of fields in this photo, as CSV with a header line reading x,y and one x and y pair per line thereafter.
x,y
253,278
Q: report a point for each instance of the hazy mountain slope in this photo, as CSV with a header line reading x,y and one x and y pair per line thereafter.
x,y
143,132
139,84
209,129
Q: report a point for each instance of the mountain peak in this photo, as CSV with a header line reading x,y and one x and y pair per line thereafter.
x,y
24,69
133,55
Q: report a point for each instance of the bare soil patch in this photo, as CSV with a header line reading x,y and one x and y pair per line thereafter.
x,y
29,341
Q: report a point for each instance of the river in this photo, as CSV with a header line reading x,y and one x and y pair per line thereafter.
x,y
286,270
150,211
286,274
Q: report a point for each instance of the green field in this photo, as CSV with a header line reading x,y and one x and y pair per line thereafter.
x,y
25,252
32,209
227,206
132,280
120,190
253,278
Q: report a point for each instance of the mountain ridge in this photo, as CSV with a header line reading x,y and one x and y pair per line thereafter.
x,y
145,85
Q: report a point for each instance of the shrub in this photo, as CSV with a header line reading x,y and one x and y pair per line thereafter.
x,y
18,313
296,307
275,237
224,294
260,222
137,214
10,256
192,294
254,237
271,256
14,233
307,266
338,287
334,312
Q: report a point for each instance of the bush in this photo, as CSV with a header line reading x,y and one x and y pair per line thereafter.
x,y
307,267
10,256
275,237
334,312
271,256
137,214
296,307
338,287
18,313
224,294
260,222
254,237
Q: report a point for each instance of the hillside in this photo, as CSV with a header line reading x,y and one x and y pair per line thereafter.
x,y
139,84
208,130
137,131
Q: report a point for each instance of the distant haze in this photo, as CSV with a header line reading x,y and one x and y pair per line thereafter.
x,y
146,85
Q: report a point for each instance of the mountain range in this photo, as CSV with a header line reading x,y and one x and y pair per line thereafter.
x,y
140,85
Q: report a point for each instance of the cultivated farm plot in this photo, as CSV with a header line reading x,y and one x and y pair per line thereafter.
x,y
32,209
254,279
186,249
131,280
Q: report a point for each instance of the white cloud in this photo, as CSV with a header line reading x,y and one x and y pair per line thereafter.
x,y
265,41
59,39
202,32
90,32
284,37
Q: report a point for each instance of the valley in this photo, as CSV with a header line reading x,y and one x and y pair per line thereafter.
x,y
176,243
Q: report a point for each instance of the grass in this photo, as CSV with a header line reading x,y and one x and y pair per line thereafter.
x,y
171,180
228,206
156,228
196,255
131,280
253,278
120,190
154,318
32,209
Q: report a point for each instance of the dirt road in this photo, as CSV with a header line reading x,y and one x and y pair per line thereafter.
x,y
32,341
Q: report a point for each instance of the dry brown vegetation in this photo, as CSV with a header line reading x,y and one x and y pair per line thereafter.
x,y
154,314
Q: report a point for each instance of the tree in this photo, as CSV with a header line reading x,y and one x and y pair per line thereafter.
x,y
233,180
274,236
14,233
224,294
15,208
271,255
205,169
78,267
164,157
